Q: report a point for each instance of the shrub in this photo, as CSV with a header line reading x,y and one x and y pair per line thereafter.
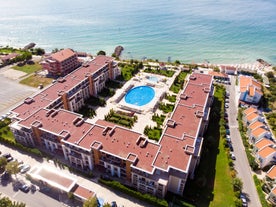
x,y
144,197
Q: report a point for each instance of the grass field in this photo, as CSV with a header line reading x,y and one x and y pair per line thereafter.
x,y
28,68
36,80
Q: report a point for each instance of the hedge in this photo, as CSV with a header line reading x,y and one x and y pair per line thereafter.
x,y
260,192
144,197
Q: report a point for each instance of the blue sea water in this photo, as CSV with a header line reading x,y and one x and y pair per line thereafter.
x,y
220,31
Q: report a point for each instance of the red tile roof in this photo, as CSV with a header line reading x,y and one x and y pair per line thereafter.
x,y
255,125
121,142
185,120
248,83
62,121
266,151
63,54
83,192
173,154
258,132
263,143
218,74
252,116
272,173
249,110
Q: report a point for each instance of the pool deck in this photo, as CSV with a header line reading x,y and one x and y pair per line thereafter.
x,y
144,118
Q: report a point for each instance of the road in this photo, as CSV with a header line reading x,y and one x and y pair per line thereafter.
x,y
241,162
30,199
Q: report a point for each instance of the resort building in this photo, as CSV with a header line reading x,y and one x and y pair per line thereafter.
x,y
61,63
260,144
230,70
266,156
272,196
48,120
250,90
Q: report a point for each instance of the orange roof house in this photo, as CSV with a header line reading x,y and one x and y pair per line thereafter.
x,y
271,173
265,156
260,144
250,89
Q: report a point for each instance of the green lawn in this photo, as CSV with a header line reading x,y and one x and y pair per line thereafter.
x,y
28,68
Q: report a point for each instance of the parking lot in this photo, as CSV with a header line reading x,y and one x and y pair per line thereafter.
x,y
11,91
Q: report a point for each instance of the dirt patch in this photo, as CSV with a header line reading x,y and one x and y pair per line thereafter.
x,y
13,74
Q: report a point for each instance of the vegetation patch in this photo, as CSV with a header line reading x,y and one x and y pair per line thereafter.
x,y
159,119
167,73
95,101
260,192
128,70
166,108
171,98
121,119
143,197
36,80
7,137
28,68
113,84
178,82
153,133
107,92
87,112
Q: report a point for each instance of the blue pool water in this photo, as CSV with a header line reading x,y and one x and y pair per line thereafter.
x,y
140,96
153,79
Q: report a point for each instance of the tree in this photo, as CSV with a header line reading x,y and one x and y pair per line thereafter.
x,y
91,202
216,69
39,51
5,201
177,62
12,167
101,52
270,74
3,163
106,205
237,184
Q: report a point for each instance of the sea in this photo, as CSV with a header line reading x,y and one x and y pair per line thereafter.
x,y
191,31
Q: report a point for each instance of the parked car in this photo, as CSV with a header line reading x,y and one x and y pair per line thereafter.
x,y
230,147
227,132
113,204
9,159
228,138
5,176
243,199
25,168
25,188
233,157
6,155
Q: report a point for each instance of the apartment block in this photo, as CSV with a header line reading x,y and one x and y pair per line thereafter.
x,y
61,63
48,120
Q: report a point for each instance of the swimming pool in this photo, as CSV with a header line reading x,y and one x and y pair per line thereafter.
x,y
140,95
153,79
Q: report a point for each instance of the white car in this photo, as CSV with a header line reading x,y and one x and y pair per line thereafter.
x,y
233,157
25,168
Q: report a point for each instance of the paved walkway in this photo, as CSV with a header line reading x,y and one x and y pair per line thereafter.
x,y
11,92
